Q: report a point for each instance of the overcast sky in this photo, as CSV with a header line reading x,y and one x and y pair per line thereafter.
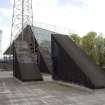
x,y
78,15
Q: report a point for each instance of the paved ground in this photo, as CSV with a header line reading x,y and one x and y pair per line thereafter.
x,y
13,92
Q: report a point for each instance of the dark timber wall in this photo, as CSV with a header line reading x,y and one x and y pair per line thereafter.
x,y
41,63
24,66
71,64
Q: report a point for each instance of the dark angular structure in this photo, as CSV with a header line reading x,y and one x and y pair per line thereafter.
x,y
43,48
71,64
24,66
42,61
41,40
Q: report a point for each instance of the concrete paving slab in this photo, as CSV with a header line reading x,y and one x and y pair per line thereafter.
x,y
13,92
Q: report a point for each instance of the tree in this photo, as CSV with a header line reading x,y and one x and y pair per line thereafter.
x,y
100,50
75,38
88,44
93,45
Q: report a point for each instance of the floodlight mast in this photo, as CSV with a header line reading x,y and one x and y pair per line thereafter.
x,y
22,16
22,19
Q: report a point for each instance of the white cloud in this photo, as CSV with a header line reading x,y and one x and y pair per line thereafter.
x,y
5,26
90,16
86,17
6,12
68,15
0,19
12,1
5,37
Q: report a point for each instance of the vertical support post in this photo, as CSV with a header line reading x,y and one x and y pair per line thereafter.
x,y
32,13
10,52
32,25
22,19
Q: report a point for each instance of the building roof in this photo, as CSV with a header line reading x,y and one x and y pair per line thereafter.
x,y
43,37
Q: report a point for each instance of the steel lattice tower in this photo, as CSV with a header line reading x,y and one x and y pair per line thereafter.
x,y
22,16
